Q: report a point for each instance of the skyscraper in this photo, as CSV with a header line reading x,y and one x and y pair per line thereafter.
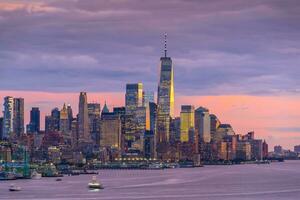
x,y
202,124
55,114
165,98
94,113
1,128
64,120
52,122
187,123
83,118
70,115
148,97
18,124
135,117
34,120
110,134
133,96
8,115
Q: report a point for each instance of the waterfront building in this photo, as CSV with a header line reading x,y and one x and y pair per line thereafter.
x,y
34,124
202,124
222,150
18,121
278,149
110,131
8,116
256,149
296,148
243,150
265,150
83,118
149,146
165,104
54,154
187,122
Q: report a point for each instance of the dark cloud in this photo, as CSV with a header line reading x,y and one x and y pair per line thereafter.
x,y
219,47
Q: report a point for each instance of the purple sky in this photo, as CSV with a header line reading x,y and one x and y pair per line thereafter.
x,y
218,47
242,54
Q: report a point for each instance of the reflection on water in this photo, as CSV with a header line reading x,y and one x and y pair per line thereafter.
x,y
268,182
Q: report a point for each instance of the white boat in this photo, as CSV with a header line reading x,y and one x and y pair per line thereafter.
x,y
14,188
94,184
35,175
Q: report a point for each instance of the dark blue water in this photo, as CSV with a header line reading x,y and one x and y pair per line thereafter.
x,y
268,182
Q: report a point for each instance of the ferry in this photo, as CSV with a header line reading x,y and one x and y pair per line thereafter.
x,y
14,188
94,184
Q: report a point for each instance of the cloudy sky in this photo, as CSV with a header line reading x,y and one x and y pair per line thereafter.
x,y
239,58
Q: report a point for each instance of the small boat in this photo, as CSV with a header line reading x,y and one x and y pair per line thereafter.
x,y
14,188
58,179
94,184
35,175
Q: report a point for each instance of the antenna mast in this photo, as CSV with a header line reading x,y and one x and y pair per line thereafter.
x,y
165,45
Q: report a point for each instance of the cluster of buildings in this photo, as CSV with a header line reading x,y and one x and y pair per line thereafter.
x,y
143,129
284,154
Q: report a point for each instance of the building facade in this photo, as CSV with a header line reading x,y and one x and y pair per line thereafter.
x,y
18,124
8,116
187,122
202,124
83,118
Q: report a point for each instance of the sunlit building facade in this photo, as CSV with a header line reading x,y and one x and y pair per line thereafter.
x,y
63,120
187,122
165,99
110,131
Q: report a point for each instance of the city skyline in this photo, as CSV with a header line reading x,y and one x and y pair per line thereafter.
x,y
232,76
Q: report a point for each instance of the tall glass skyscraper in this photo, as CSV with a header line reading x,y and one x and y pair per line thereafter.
x,y
8,116
165,98
135,117
18,123
134,96
34,120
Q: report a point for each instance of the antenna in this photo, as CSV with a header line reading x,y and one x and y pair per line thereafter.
x,y
165,45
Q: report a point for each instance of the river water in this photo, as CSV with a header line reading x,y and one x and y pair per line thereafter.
x,y
268,182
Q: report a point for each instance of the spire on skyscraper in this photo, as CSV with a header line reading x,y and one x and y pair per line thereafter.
x,y
165,49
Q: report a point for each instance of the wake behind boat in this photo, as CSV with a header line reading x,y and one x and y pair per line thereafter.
x,y
94,184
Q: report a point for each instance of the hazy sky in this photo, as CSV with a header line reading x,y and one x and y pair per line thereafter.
x,y
232,49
